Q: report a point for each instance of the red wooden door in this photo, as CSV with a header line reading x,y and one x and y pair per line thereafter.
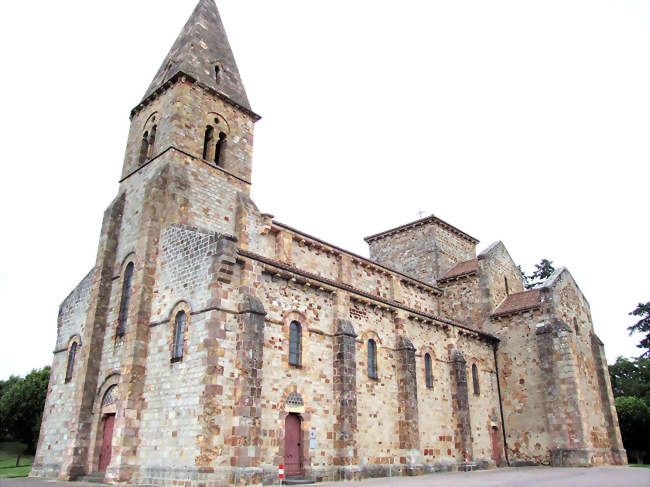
x,y
107,443
292,447
496,447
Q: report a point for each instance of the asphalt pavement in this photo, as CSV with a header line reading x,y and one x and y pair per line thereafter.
x,y
506,477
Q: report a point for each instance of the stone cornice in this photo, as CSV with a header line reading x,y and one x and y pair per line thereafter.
x,y
447,280
173,148
363,260
418,223
184,78
515,312
331,286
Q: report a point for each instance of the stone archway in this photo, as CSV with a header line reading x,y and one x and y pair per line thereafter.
x,y
108,411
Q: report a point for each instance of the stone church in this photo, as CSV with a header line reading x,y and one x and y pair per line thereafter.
x,y
211,343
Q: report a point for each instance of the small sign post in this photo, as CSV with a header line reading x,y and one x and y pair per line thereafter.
x,y
280,473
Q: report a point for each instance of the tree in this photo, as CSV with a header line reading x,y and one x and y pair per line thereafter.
x,y
4,385
631,377
642,326
542,271
631,387
634,420
21,406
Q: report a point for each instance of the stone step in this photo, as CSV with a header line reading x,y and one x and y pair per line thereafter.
x,y
93,478
297,481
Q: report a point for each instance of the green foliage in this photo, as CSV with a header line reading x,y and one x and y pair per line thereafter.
x,y
542,271
634,420
631,386
21,407
631,377
642,326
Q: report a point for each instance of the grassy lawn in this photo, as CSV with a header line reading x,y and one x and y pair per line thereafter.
x,y
640,465
9,451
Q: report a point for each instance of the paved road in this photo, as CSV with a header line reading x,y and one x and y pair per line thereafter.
x,y
520,477
510,477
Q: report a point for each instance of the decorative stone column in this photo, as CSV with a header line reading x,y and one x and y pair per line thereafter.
x,y
460,403
407,390
345,401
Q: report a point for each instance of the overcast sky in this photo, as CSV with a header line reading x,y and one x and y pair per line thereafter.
x,y
521,121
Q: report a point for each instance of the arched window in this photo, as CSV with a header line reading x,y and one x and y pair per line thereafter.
x,y
428,373
152,142
505,279
126,297
477,390
144,148
294,343
218,151
208,143
72,354
179,335
575,326
372,359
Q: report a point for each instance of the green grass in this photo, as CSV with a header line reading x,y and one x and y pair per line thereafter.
x,y
639,465
9,451
15,472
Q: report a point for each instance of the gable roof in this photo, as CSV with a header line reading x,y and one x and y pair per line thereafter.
x,y
518,302
201,46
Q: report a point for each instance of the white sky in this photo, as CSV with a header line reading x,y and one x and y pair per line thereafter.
x,y
521,121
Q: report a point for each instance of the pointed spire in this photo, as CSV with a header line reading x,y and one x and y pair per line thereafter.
x,y
203,52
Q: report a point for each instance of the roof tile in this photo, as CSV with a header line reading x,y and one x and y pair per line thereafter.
x,y
461,268
519,302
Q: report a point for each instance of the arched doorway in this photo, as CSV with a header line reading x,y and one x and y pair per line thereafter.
x,y
108,415
292,445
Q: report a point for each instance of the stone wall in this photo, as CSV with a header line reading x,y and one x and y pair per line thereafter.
x,y
59,410
425,249
182,114
499,276
72,313
600,429
461,300
411,252
523,389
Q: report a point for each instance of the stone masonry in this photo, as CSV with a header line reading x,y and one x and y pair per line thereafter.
x,y
216,343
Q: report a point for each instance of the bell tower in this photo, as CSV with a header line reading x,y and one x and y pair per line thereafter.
x,y
196,106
